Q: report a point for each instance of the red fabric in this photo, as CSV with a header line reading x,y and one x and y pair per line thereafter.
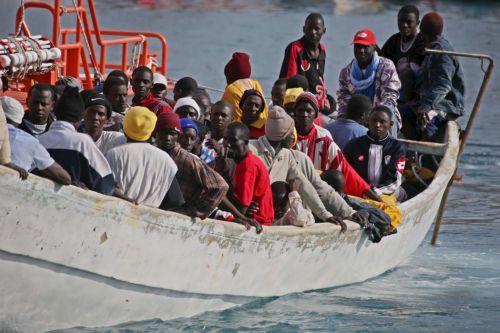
x,y
312,141
365,37
238,67
354,184
256,133
251,183
168,120
153,104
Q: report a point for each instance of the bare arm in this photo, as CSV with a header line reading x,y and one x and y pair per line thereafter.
x,y
23,174
56,173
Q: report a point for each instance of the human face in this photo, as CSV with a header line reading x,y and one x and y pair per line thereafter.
x,y
379,124
235,146
41,104
117,97
186,112
188,139
278,94
313,30
141,84
94,118
252,107
363,54
159,91
407,24
290,109
304,117
167,139
220,117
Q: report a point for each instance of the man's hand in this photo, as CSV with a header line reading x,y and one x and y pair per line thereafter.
x,y
338,221
294,184
361,218
248,223
422,119
213,144
252,209
23,174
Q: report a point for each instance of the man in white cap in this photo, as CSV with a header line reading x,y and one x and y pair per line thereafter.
x,y
26,151
186,107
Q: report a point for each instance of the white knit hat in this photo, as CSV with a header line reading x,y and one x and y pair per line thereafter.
x,y
13,110
188,101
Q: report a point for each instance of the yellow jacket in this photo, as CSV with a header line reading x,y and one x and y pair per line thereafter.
x,y
233,94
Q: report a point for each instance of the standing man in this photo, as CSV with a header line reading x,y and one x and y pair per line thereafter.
x,y
142,82
116,92
39,117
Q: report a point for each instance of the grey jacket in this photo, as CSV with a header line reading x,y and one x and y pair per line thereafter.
x,y
441,82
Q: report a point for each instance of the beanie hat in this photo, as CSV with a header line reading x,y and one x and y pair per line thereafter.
x,y
279,124
309,98
365,37
291,95
432,24
168,120
69,81
188,101
70,106
238,67
159,78
139,123
13,110
252,92
189,123
98,99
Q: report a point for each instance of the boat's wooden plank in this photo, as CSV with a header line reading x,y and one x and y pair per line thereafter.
x,y
428,148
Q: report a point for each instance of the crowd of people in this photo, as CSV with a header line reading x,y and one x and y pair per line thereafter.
x,y
293,161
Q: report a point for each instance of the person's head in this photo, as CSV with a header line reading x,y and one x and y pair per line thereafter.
x,y
14,111
278,92
97,112
379,122
203,99
297,81
69,81
280,198
290,98
119,74
251,104
236,140
314,28
335,179
279,128
40,101
408,20
186,107
142,81
185,87
306,110
159,89
168,129
220,117
238,67
365,44
190,134
70,106
116,92
358,108
139,123
431,27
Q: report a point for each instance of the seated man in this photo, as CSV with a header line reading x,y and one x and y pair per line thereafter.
x,y
115,91
186,107
76,152
288,209
442,87
377,157
189,138
96,116
26,151
351,125
142,171
185,87
372,76
41,100
251,179
278,92
252,105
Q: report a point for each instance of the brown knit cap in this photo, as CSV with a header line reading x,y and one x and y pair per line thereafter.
x,y
279,124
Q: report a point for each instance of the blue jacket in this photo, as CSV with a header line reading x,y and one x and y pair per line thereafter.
x,y
442,85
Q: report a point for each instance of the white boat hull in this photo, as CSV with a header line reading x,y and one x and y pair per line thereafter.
x,y
67,244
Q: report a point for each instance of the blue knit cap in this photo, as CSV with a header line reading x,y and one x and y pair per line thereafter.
x,y
189,123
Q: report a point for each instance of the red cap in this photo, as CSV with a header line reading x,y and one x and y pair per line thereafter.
x,y
365,37
168,120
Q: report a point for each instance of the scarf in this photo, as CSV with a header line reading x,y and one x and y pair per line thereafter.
x,y
312,142
362,85
36,129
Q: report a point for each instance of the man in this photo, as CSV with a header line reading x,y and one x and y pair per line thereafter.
x,y
288,209
377,157
76,152
142,82
97,113
185,87
116,93
160,84
278,92
442,88
188,140
351,125
250,180
5,152
307,55
291,95
186,107
406,49
26,151
142,171
40,101
370,75
252,105
220,117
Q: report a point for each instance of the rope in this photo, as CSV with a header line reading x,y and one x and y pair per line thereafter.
x,y
136,53
18,31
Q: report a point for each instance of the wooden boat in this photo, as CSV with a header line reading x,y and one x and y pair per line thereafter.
x,y
70,257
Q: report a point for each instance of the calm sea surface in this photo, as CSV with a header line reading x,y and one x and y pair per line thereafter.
x,y
453,287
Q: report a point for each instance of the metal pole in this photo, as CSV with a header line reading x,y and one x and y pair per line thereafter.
x,y
470,123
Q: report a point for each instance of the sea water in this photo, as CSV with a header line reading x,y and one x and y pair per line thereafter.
x,y
451,287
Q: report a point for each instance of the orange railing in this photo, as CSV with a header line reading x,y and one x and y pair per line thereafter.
x,y
80,54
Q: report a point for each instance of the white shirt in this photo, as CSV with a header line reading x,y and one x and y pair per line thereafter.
x,y
142,171
27,152
109,140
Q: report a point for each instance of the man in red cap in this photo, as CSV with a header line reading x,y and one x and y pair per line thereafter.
x,y
370,75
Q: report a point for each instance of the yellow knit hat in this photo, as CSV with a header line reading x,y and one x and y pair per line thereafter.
x,y
139,123
291,95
